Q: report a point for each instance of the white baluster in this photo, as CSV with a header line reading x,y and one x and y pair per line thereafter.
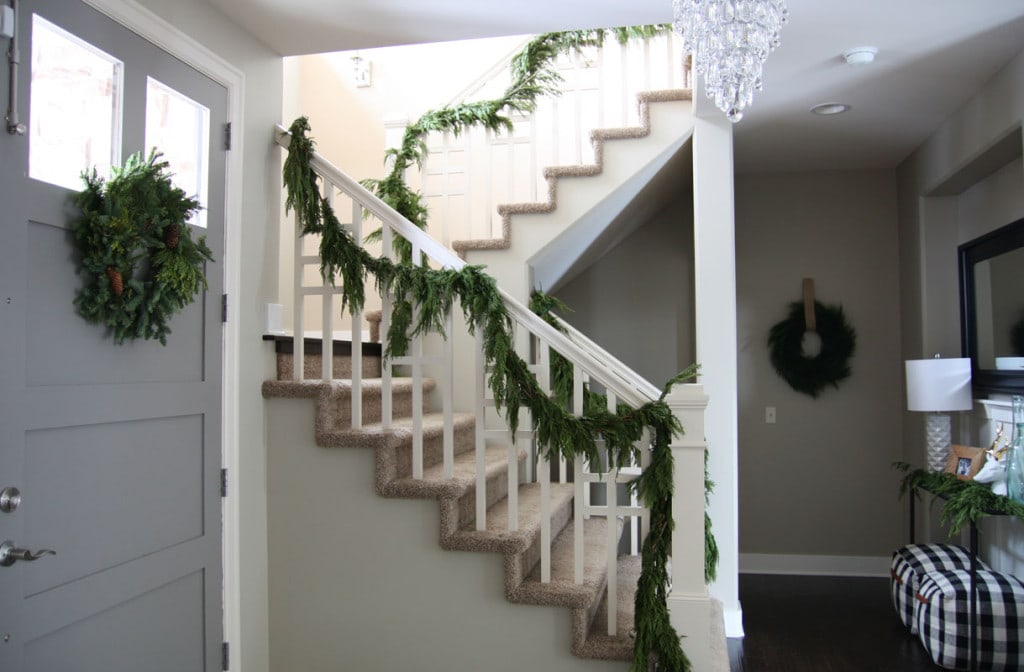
x,y
357,332
447,397
327,307
581,488
387,301
417,384
612,549
480,406
298,317
544,474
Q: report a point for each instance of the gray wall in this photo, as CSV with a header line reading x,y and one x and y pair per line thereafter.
x,y
934,219
819,481
637,301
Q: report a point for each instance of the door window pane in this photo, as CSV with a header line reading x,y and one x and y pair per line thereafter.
x,y
180,128
75,117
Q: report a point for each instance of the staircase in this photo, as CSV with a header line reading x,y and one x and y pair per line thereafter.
x,y
567,536
455,497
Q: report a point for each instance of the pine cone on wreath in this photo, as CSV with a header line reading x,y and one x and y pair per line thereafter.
x,y
116,280
172,236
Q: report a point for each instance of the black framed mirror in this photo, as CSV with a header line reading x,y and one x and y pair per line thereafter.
x,y
992,308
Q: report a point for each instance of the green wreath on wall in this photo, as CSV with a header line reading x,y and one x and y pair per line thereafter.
x,y
811,374
139,263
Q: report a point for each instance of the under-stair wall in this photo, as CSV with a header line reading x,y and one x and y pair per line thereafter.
x,y
360,582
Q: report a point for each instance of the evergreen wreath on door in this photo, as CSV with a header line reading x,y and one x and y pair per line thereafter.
x,y
138,260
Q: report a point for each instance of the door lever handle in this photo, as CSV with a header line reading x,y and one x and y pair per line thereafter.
x,y
10,554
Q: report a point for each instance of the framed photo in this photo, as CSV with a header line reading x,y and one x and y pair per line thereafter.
x,y
965,461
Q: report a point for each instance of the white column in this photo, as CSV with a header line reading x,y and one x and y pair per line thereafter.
x,y
688,603
715,280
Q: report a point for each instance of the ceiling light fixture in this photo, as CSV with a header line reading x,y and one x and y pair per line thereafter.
x,y
829,109
860,55
730,40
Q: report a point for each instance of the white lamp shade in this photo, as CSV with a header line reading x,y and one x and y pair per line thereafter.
x,y
938,384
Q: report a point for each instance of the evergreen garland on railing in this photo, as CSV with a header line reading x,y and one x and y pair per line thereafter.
x,y
513,386
533,76
561,370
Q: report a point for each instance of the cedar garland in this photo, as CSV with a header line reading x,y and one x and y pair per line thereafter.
x,y
513,386
533,76
964,502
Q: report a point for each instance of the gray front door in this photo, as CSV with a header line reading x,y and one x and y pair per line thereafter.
x,y
114,449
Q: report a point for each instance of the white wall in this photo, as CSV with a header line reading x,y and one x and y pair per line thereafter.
x,y
257,258
817,492
933,221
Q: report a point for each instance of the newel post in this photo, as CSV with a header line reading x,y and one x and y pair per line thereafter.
x,y
688,602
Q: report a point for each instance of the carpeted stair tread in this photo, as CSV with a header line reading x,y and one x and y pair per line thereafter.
x,y
373,435
599,644
498,538
313,389
434,484
563,590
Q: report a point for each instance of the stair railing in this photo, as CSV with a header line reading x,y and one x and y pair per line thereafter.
x,y
535,341
466,177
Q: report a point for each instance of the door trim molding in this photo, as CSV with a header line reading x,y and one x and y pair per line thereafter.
x,y
180,45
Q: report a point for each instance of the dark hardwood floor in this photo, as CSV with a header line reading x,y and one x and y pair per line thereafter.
x,y
822,624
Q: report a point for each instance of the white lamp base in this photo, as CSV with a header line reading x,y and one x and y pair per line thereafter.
x,y
939,440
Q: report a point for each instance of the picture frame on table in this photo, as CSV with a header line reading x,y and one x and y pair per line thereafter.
x,y
965,461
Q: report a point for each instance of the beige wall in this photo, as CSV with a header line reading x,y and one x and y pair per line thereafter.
x,y
819,481
637,301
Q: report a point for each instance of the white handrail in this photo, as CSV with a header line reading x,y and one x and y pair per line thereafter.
x,y
611,363
567,347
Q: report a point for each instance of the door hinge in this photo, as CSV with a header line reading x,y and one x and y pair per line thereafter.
x,y
227,136
223,307
225,656
223,482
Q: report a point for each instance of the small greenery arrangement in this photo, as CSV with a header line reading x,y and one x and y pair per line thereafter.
x,y
512,384
811,375
138,259
964,502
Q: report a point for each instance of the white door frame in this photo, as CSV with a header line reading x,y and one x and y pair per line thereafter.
x,y
172,40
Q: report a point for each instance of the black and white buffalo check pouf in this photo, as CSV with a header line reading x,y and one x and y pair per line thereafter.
x,y
944,613
913,561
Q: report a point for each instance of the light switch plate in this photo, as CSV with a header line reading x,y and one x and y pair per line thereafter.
x,y
6,22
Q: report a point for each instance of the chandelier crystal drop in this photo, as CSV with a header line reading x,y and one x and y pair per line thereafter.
x,y
730,40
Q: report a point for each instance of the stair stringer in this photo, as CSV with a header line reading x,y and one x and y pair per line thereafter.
x,y
576,191
306,531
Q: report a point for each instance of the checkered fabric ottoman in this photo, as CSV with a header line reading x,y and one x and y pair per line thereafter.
x,y
910,562
942,620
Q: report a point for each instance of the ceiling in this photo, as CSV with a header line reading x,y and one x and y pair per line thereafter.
x,y
933,55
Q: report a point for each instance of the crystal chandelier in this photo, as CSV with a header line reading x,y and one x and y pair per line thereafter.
x,y
730,40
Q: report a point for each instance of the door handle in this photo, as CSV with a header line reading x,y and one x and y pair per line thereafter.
x,y
10,554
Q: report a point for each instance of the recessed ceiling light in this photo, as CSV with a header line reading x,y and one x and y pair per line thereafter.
x,y
860,55
828,109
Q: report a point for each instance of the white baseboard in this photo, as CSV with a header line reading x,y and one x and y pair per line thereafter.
x,y
733,622
814,565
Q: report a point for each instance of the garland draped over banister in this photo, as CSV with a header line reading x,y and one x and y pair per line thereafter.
x,y
513,386
533,76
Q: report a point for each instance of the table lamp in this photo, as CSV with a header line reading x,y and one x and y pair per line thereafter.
x,y
937,386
